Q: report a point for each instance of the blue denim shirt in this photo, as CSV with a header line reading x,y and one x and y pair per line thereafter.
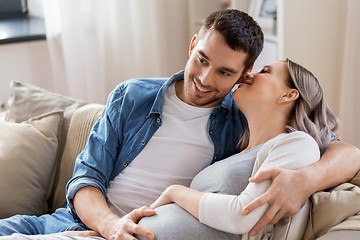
x,y
131,117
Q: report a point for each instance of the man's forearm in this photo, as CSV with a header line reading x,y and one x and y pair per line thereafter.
x,y
339,164
91,207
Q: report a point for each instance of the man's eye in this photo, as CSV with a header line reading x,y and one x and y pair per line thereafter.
x,y
223,73
202,60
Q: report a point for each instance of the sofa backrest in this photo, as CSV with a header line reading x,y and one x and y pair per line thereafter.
x,y
79,129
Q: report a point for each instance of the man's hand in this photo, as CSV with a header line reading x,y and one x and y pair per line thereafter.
x,y
125,227
286,195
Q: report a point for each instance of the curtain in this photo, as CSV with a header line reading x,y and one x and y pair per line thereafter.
x,y
349,112
96,44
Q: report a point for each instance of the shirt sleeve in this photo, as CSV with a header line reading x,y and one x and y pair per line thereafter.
x,y
95,164
223,212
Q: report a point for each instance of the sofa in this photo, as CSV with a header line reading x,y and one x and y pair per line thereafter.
x,y
57,128
43,132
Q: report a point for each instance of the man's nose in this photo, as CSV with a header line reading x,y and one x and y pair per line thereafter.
x,y
205,78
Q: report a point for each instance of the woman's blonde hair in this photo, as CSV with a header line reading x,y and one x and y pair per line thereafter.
x,y
310,114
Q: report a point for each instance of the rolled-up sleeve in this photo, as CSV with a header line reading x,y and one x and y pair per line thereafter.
x,y
95,164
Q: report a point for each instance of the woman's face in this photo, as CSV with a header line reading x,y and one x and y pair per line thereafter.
x,y
263,89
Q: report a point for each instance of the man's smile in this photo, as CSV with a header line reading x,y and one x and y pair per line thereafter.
x,y
200,90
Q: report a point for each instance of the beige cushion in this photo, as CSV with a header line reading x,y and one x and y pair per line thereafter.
x,y
80,126
27,157
329,208
27,101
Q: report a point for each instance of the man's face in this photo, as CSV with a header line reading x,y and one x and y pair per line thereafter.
x,y
211,71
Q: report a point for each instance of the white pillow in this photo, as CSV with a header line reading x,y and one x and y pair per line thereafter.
x,y
27,101
27,155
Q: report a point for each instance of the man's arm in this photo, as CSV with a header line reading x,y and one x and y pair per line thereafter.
x,y
291,188
91,207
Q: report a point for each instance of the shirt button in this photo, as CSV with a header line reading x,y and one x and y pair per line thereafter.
x,y
142,142
158,120
223,110
124,164
153,115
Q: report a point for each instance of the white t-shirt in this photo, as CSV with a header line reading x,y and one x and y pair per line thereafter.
x,y
179,149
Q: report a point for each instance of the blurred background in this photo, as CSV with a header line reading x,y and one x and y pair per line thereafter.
x,y
84,48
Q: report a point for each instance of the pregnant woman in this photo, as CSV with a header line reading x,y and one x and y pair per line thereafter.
x,y
289,124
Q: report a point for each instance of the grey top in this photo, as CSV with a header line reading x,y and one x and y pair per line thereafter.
x,y
229,176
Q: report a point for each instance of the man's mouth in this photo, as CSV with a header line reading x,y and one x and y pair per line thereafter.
x,y
200,90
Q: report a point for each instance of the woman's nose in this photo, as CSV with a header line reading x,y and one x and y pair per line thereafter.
x,y
248,75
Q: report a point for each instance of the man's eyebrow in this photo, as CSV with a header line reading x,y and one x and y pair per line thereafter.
x,y
203,54
230,70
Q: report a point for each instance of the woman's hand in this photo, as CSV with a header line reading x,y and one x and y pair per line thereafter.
x,y
185,197
163,199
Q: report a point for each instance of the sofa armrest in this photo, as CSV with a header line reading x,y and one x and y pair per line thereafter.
x,y
336,235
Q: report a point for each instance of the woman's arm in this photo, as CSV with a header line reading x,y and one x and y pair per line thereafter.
x,y
290,189
223,212
185,197
220,211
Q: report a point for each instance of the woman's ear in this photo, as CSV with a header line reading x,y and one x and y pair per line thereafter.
x,y
293,94
289,96
192,44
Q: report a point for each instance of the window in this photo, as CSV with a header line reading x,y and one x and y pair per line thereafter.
x,y
12,8
16,25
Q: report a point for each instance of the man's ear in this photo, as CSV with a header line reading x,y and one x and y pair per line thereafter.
x,y
192,44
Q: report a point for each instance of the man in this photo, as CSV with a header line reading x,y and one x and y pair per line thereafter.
x,y
157,132
165,116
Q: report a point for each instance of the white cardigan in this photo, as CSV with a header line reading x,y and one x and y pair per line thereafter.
x,y
223,212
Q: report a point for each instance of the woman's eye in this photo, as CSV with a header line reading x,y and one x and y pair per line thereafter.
x,y
264,70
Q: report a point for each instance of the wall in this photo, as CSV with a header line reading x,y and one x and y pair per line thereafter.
x,y
242,4
314,36
26,62
177,40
